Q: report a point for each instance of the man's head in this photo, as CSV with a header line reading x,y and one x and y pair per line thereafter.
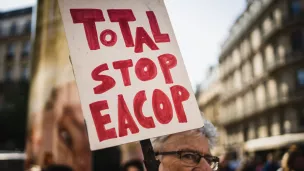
x,y
133,165
188,150
293,148
270,157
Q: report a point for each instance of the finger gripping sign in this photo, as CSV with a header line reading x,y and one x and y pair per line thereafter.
x,y
129,71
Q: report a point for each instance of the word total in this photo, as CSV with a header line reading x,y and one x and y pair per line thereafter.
x,y
89,17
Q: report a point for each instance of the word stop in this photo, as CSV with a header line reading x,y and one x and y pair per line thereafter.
x,y
145,70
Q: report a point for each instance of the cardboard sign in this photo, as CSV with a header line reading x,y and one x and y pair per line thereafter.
x,y
129,71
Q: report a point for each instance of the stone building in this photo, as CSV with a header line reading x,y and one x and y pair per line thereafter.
x,y
262,72
209,103
15,46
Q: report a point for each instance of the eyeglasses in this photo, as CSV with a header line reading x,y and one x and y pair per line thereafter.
x,y
192,158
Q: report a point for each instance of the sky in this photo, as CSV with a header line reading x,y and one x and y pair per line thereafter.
x,y
200,27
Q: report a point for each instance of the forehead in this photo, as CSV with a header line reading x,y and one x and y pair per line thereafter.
x,y
187,141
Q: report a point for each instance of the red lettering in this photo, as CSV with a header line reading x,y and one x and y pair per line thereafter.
x,y
162,107
139,100
100,121
158,36
143,37
167,62
123,16
179,94
112,40
145,69
123,117
88,17
123,65
107,82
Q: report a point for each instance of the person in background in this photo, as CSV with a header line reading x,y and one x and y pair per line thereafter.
x,y
259,163
189,150
223,166
296,161
247,164
234,163
284,162
133,165
108,159
271,164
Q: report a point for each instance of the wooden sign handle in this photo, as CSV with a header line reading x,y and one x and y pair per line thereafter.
x,y
149,157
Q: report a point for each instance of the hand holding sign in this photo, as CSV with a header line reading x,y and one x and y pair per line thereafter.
x,y
129,71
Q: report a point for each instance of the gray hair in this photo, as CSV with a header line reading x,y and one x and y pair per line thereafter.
x,y
208,130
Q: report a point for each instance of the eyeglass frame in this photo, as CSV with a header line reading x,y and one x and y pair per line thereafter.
x,y
215,159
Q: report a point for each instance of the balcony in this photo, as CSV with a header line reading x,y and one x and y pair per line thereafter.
x,y
233,116
290,59
266,39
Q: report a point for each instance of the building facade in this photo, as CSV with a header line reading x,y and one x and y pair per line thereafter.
x,y
209,103
262,72
15,46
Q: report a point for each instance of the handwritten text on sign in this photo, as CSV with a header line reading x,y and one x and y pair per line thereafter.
x,y
139,93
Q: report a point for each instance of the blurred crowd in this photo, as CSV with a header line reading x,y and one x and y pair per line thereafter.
x,y
291,160
112,163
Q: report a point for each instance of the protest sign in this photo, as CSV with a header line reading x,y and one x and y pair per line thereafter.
x,y
129,71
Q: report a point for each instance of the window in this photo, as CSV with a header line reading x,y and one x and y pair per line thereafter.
x,y
267,25
10,52
258,65
251,131
297,40
290,120
237,79
278,16
300,77
13,30
260,96
245,48
8,72
272,89
27,27
24,72
275,125
247,72
270,56
287,83
228,63
262,129
239,106
26,50
256,38
281,50
297,7
249,102
236,57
